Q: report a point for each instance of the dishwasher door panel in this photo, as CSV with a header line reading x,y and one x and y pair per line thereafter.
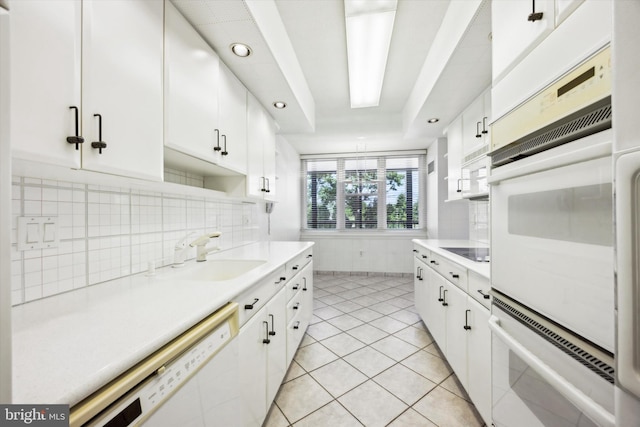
x,y
209,399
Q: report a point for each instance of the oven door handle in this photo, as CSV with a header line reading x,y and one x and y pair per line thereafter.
x,y
596,412
595,151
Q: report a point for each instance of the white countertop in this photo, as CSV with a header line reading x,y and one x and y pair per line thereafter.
x,y
436,245
67,346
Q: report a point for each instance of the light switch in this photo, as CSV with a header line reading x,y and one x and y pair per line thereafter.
x,y
49,232
33,232
37,233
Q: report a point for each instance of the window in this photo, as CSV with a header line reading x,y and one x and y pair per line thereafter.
x,y
378,192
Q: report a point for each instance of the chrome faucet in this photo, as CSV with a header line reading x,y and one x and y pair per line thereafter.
x,y
180,251
201,244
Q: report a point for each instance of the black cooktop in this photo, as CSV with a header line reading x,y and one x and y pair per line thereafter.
x,y
474,254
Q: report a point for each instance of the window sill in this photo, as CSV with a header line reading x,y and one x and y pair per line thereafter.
x,y
389,233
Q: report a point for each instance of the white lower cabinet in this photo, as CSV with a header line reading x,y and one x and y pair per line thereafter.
x,y
460,326
263,350
268,339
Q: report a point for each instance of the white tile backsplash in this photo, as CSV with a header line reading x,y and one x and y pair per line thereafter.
x,y
109,232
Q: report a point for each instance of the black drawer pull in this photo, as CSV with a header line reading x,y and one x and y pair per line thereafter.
x,y
296,306
310,256
272,332
99,144
434,262
304,288
295,267
485,296
444,299
466,320
282,279
76,139
266,340
454,275
297,325
250,306
296,286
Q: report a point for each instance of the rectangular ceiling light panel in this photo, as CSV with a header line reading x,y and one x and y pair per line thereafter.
x,y
368,41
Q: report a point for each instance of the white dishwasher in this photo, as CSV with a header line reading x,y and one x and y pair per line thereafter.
x,y
190,382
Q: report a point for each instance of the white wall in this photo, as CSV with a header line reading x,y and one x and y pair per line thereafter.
x,y
285,218
5,220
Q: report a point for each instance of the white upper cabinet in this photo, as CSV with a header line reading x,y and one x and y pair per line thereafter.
x,y
513,35
45,80
232,109
122,87
100,58
261,145
191,79
454,154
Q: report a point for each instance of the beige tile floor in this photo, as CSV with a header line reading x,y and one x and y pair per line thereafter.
x,y
368,360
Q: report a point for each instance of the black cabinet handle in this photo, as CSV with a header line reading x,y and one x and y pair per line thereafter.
x,y
250,306
424,257
434,262
417,272
297,325
296,306
459,189
455,276
415,250
466,320
77,139
264,184
478,130
484,125
268,190
310,256
295,267
217,147
485,296
304,288
282,279
272,332
224,140
296,286
440,299
266,340
534,16
99,144
444,298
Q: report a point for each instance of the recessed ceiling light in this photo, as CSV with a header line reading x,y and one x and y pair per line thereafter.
x,y
241,50
279,105
433,120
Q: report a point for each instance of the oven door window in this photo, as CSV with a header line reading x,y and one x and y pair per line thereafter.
x,y
579,214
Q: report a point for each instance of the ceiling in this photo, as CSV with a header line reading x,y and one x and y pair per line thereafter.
x,y
299,56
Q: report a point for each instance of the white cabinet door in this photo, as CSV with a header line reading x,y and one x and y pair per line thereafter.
x,y
421,288
252,369
454,154
513,36
45,69
232,121
191,89
436,314
472,136
479,360
277,347
261,146
564,8
455,302
122,82
307,289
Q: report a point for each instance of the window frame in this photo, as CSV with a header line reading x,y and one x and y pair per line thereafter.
x,y
341,196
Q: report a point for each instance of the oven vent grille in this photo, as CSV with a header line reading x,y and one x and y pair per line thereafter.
x,y
595,364
589,120
476,154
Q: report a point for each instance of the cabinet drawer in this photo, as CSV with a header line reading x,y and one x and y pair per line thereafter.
x,y
296,305
479,288
296,265
421,253
294,286
295,332
253,299
449,270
